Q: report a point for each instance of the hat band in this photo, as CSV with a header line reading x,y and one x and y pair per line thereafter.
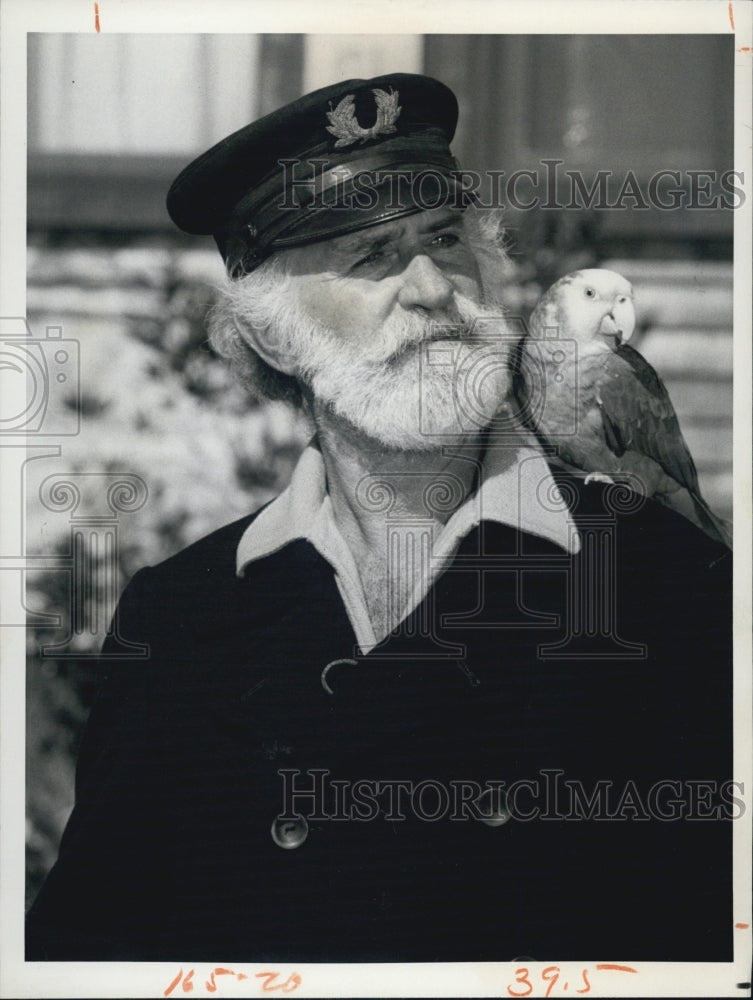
x,y
310,187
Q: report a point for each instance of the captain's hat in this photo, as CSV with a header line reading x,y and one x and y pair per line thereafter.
x,y
337,160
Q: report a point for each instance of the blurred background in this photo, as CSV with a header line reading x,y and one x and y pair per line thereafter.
x,y
117,297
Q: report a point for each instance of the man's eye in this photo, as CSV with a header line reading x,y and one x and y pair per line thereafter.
x,y
446,240
371,258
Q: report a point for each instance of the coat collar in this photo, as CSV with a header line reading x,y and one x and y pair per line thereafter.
x,y
517,489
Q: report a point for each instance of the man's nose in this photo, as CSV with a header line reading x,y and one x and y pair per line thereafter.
x,y
424,285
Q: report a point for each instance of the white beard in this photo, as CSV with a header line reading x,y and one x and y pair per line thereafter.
x,y
415,386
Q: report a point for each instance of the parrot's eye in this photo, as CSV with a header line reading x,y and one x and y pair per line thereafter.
x,y
590,293
622,298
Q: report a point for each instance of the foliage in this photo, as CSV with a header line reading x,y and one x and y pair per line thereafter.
x,y
155,403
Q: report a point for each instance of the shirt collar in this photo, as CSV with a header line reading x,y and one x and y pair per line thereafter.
x,y
517,490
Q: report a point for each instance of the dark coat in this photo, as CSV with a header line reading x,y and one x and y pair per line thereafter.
x,y
169,853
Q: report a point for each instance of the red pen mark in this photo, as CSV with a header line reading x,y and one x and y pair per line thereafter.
x,y
173,984
210,984
744,48
291,983
521,979
731,16
742,927
186,984
524,986
550,975
96,16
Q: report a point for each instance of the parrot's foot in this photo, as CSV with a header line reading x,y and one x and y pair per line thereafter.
x,y
598,477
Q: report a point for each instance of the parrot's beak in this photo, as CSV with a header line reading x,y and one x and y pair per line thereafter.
x,y
609,330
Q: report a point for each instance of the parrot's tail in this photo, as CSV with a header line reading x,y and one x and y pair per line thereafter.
x,y
714,526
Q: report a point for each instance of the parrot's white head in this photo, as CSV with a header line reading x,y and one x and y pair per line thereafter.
x,y
593,307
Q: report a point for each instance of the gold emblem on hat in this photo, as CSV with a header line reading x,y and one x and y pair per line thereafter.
x,y
344,124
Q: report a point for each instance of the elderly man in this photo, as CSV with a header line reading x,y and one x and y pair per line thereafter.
x,y
428,704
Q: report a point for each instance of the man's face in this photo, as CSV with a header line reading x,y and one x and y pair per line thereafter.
x,y
354,284
383,332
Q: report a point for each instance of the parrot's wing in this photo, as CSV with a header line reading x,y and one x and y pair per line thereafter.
x,y
638,415
612,434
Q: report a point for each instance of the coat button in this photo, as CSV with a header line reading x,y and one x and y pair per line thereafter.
x,y
289,833
493,807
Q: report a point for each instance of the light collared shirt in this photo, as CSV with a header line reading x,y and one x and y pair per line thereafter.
x,y
517,489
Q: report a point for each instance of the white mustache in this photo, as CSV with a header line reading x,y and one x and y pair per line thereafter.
x,y
404,331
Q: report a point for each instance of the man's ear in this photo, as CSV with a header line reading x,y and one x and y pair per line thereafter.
x,y
270,348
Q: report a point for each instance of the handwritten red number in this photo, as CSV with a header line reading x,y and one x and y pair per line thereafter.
x,y
291,983
584,973
270,977
219,971
521,978
551,979
173,984
187,984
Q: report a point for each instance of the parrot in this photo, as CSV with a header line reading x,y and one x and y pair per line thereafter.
x,y
585,392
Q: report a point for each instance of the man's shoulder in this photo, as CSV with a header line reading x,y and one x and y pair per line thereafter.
x,y
173,590
210,554
204,574
598,505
